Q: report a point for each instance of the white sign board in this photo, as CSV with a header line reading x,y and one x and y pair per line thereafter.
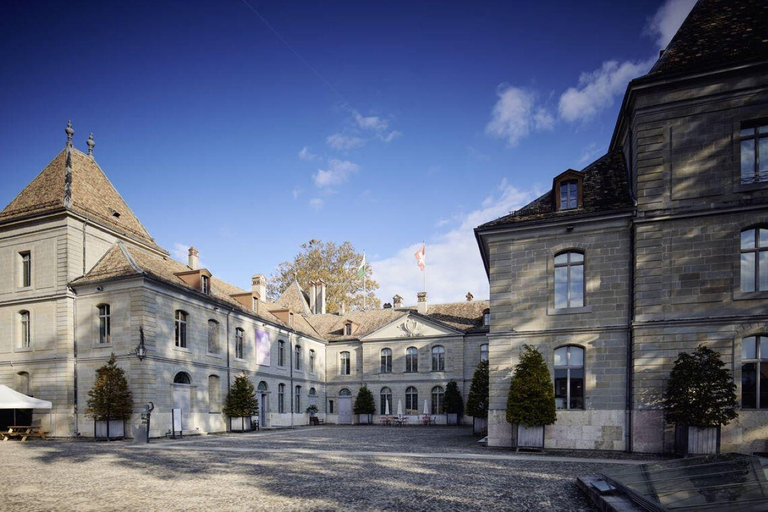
x,y
177,420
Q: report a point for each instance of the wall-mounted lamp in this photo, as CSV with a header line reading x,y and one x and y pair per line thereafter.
x,y
569,228
100,288
141,350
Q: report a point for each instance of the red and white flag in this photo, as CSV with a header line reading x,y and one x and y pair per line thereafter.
x,y
421,258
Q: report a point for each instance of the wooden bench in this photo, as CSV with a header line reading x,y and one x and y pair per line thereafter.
x,y
23,432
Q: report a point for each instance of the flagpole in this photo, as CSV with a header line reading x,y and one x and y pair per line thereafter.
x,y
364,294
425,265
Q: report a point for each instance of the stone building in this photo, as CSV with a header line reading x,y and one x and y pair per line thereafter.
x,y
655,248
82,279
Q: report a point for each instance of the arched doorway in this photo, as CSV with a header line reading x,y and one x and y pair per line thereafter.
x,y
345,407
182,400
263,390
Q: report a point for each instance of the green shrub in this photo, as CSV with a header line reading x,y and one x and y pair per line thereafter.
x,y
700,391
364,403
477,400
241,401
531,399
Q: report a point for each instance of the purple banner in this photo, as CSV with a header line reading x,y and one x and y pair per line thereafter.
x,y
263,345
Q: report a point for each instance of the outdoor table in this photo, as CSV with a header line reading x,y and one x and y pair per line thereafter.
x,y
23,431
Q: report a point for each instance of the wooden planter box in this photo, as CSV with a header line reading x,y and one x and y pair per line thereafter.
x,y
480,426
524,436
116,429
240,424
697,441
363,419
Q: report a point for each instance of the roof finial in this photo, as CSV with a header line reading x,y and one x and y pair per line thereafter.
x,y
90,143
70,132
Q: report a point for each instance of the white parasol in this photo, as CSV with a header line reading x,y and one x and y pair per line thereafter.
x,y
426,409
399,407
386,407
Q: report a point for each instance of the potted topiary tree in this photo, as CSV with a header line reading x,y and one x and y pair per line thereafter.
x,y
109,401
531,400
365,405
241,404
700,397
477,399
312,411
453,403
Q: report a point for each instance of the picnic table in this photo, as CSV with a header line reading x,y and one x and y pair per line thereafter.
x,y
23,431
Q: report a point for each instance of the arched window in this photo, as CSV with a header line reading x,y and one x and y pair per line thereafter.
x,y
180,335
487,318
280,353
239,336
411,401
754,372
438,359
263,386
345,392
312,392
569,377
344,363
182,378
312,397
22,382
484,352
25,329
569,280
297,401
438,395
214,394
754,260
386,400
411,360
386,360
281,398
297,357
105,324
311,361
213,336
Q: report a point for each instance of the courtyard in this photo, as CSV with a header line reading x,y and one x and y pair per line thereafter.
x,y
322,468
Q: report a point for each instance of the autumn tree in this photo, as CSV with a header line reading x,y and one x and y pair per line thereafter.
x,y
337,266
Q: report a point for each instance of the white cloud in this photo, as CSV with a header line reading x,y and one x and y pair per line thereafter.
x,y
664,24
344,142
589,153
296,193
370,123
454,266
598,89
516,114
337,173
389,137
305,154
316,203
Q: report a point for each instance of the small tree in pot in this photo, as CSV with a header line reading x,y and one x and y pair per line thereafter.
x,y
477,399
700,397
109,401
365,405
454,405
531,400
241,402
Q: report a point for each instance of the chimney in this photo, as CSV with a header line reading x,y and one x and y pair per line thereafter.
x,y
422,305
397,302
313,298
320,300
259,286
470,297
193,260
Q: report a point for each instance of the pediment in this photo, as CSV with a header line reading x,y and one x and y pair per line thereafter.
x,y
411,326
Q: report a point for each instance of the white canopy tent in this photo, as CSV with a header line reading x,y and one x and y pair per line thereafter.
x,y
10,399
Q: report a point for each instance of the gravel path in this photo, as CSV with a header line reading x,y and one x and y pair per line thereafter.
x,y
206,474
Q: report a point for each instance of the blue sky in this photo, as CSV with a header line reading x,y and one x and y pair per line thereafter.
x,y
247,133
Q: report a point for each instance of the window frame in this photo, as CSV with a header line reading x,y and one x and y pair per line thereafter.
x,y
757,250
297,403
281,398
239,343
759,131
568,367
214,394
345,357
297,358
281,353
25,329
412,360
484,352
105,324
385,395
412,396
205,284
759,360
25,262
569,265
438,356
386,360
571,194
487,318
217,338
181,321
438,400
312,361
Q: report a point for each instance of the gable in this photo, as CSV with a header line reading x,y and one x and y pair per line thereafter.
x,y
411,326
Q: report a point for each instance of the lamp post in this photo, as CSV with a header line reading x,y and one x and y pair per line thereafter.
x,y
141,350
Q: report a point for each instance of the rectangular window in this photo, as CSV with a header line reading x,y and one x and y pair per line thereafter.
x,y
569,198
181,329
297,364
281,398
344,364
26,268
26,329
280,353
330,406
754,154
754,372
204,284
105,327
213,336
569,280
311,361
239,333
298,400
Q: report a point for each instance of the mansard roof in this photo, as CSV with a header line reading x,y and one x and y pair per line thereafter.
x,y
88,192
604,188
717,33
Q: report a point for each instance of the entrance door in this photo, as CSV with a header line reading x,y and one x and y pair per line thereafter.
x,y
182,398
263,404
345,410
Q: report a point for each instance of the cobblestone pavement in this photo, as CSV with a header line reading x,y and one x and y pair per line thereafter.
x,y
327,468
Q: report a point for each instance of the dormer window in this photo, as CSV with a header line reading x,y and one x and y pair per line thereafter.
x,y
487,318
205,285
255,304
567,190
348,329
